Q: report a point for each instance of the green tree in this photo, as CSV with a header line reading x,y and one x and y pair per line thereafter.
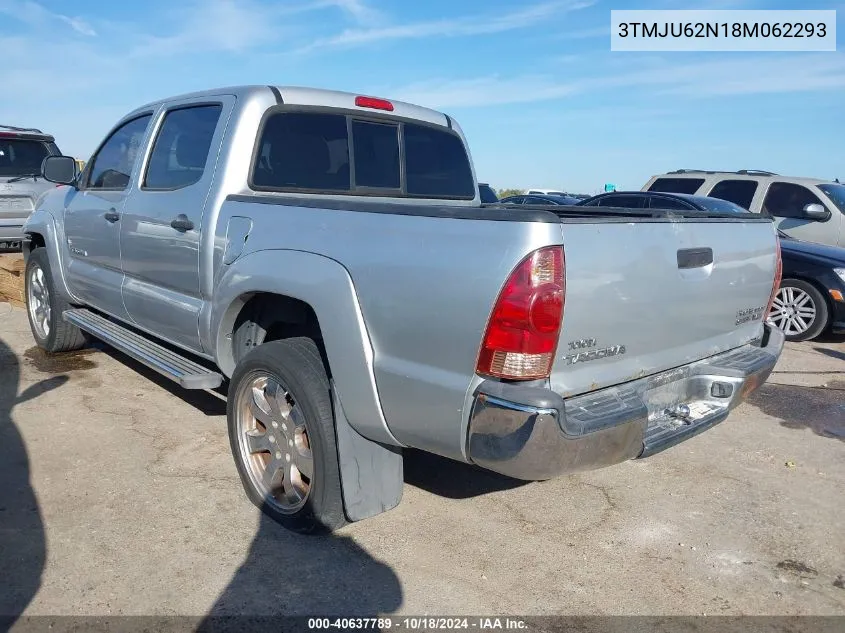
x,y
504,193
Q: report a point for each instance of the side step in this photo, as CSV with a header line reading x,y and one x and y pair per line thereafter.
x,y
187,373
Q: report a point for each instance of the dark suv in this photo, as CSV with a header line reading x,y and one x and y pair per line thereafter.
x,y
22,150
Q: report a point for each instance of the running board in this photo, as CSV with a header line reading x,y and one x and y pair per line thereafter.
x,y
187,373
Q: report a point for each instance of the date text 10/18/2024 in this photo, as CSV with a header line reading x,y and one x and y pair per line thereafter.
x,y
418,623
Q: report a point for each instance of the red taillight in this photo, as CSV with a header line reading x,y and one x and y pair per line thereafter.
x,y
778,277
373,102
523,330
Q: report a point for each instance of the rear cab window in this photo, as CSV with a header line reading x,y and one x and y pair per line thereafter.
x,y
22,157
676,185
319,152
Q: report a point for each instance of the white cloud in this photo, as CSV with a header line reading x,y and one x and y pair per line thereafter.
x,y
37,16
451,27
78,25
723,77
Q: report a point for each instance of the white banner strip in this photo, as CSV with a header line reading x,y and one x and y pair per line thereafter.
x,y
714,31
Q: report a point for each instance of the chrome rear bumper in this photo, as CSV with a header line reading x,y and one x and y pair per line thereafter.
x,y
532,433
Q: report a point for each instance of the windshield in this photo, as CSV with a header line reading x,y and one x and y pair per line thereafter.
x,y
835,193
20,157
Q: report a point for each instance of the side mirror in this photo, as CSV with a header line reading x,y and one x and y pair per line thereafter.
x,y
816,212
59,169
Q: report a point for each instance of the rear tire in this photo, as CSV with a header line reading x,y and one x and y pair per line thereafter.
x,y
799,310
44,307
282,435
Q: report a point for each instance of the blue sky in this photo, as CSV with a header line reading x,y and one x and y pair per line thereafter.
x,y
543,101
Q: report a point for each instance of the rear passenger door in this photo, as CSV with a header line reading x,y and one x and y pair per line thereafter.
x,y
162,223
785,202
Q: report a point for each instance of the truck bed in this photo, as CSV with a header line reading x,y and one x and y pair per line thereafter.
x,y
427,276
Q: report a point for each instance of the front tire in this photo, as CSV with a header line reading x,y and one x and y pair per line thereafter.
x,y
282,435
44,307
799,310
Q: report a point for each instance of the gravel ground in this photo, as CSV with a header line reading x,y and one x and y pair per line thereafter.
x,y
118,495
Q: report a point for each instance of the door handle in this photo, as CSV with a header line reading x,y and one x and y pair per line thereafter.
x,y
182,223
111,215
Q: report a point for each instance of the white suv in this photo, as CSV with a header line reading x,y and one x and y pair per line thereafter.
x,y
805,208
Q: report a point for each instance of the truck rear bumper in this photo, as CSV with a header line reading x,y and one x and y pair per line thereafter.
x,y
532,433
11,233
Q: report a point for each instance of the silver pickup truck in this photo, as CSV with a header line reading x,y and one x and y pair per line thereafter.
x,y
327,256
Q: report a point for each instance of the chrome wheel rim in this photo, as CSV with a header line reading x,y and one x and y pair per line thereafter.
x,y
273,441
38,301
793,311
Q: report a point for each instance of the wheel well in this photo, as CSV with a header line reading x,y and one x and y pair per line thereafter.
x,y
276,317
36,240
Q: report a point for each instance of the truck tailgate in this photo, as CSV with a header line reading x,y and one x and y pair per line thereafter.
x,y
643,296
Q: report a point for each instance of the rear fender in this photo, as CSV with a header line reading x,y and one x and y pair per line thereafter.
x,y
326,286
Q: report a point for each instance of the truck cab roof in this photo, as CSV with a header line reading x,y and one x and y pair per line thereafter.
x,y
315,97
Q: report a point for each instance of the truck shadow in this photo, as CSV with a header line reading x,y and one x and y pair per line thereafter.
x,y
23,546
454,480
290,574
820,409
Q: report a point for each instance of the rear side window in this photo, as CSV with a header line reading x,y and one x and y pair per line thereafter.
x,y
739,192
659,202
21,157
625,202
181,149
436,164
676,185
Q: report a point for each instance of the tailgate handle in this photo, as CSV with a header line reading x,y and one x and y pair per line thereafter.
x,y
694,257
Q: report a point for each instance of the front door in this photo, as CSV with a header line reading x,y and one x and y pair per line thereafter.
x,y
92,218
162,222
785,202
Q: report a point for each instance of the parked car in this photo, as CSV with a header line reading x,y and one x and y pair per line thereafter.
x,y
811,298
487,194
545,192
807,209
21,153
650,200
329,255
538,199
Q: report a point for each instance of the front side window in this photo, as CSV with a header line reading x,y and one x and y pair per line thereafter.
x,y
181,148
740,192
19,157
676,185
112,167
787,200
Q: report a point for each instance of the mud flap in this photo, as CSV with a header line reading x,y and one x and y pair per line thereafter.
x,y
371,474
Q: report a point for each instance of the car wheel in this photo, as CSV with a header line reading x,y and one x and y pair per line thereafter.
x,y
44,308
799,310
282,435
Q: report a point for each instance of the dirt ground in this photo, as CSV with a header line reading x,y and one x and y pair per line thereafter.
x,y
118,495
